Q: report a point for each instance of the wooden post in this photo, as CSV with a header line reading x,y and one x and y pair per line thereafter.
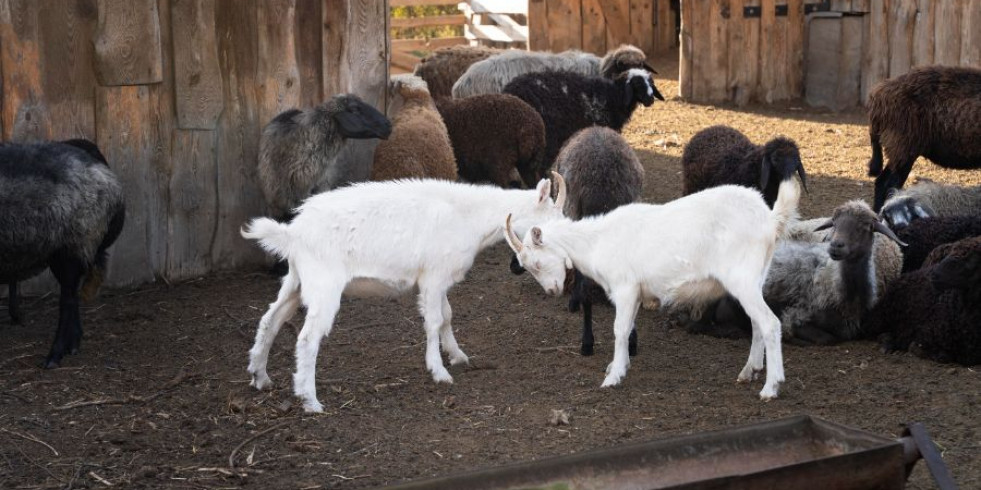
x,y
593,27
642,24
795,48
25,116
716,76
686,52
744,52
902,17
947,32
537,25
66,29
876,48
923,31
277,71
309,51
971,34
197,75
127,46
564,24
769,59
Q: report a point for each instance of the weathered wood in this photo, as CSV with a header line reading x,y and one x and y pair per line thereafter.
x,y
771,35
67,29
861,5
947,32
686,52
971,34
617,15
277,71
642,24
823,54
716,75
902,17
664,28
127,45
309,51
923,33
744,53
593,27
700,69
25,115
876,48
850,63
795,48
197,74
537,25
193,204
564,24
429,21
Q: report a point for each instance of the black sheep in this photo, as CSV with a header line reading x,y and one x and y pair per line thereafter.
x,y
923,235
62,209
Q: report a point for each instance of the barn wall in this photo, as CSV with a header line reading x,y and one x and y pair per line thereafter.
x,y
832,57
175,93
597,26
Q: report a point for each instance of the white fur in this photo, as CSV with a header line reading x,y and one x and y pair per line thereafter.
x,y
690,250
383,238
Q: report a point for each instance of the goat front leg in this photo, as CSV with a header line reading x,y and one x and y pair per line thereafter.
x,y
280,312
626,304
68,272
431,306
323,299
450,347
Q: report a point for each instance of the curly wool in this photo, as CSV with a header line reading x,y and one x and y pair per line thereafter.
x,y
443,67
924,235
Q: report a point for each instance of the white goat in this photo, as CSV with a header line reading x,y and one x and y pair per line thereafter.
x,y
384,238
691,250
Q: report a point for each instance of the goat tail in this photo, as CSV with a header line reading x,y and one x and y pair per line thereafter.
x,y
272,235
785,209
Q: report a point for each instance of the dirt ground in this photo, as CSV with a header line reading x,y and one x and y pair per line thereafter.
x,y
159,395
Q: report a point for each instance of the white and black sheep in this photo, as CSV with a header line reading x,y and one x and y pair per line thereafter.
x,y
933,111
927,198
491,75
569,102
419,146
821,283
720,155
62,209
443,67
935,312
298,147
506,156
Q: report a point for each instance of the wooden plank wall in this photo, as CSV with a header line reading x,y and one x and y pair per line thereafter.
x,y
597,26
179,118
728,57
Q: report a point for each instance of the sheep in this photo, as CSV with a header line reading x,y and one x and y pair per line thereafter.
x,y
384,238
62,210
298,147
933,111
506,156
923,235
491,75
720,155
443,67
602,173
691,250
927,198
935,312
419,145
820,283
569,102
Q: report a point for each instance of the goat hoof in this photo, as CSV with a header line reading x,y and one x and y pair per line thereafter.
x,y
313,407
632,350
768,393
586,350
261,381
459,359
442,376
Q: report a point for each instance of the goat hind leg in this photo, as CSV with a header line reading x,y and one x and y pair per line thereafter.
x,y
450,347
766,326
280,311
321,311
431,307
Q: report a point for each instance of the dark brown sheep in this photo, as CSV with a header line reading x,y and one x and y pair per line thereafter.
x,y
496,138
443,67
924,235
720,155
934,112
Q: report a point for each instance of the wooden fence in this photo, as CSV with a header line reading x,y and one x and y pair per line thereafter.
x,y
831,52
596,26
175,93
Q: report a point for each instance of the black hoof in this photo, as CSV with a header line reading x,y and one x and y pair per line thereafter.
x,y
280,268
51,363
573,306
16,320
632,350
586,350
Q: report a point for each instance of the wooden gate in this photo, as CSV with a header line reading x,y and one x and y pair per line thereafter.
x,y
596,26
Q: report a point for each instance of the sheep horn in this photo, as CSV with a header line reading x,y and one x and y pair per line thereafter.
x,y
513,239
881,228
560,182
825,225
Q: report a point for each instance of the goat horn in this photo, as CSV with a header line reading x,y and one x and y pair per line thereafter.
x,y
560,182
881,228
513,239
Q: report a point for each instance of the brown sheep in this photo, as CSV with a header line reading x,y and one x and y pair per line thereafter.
x,y
934,112
443,67
419,146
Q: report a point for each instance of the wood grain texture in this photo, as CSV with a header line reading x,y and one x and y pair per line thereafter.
x,y
309,51
593,27
947,32
771,36
744,53
537,25
849,63
686,52
277,71
642,24
193,205
795,48
717,64
923,33
902,18
564,24
67,29
197,74
617,15
875,48
823,48
664,29
127,45
25,114
971,34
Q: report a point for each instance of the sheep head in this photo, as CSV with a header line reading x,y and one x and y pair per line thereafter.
x,y
781,158
357,120
639,87
547,264
960,268
623,58
853,226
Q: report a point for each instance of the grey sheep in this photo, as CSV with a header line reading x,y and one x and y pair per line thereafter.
x,y
298,147
926,199
443,67
720,155
62,209
932,111
507,155
491,75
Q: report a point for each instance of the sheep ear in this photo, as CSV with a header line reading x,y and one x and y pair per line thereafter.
x,y
881,228
825,225
765,167
544,190
536,236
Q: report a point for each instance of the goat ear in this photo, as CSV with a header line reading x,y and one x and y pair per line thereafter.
x,y
881,228
765,167
536,236
544,190
825,225
568,262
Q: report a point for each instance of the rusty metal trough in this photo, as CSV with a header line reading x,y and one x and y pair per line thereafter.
x,y
798,452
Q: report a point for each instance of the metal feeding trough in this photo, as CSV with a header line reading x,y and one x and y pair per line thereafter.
x,y
798,452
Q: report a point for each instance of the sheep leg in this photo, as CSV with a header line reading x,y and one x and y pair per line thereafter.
x,y
893,176
68,272
13,303
580,298
766,340
322,296
431,307
280,312
450,347
626,304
